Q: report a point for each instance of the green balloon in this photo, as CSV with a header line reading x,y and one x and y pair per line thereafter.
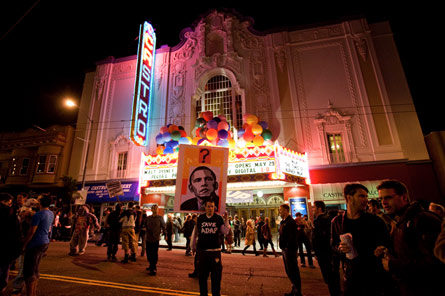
x,y
200,122
266,134
176,135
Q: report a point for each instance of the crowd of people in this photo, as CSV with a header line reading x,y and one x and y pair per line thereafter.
x,y
391,242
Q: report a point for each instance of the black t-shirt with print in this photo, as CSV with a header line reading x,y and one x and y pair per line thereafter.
x,y
209,232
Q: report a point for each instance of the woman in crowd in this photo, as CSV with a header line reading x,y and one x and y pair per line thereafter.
x,y
250,237
267,235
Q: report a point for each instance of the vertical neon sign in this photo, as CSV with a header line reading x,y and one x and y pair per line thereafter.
x,y
143,85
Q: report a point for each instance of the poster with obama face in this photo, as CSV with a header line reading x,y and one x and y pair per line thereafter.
x,y
201,177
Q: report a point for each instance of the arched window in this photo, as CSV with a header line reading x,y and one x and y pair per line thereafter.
x,y
220,98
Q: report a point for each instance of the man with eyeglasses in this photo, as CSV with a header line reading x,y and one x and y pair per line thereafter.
x,y
411,259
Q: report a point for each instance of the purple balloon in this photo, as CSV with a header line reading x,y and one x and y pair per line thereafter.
x,y
212,124
223,134
263,124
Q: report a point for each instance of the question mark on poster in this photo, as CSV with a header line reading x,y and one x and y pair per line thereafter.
x,y
204,156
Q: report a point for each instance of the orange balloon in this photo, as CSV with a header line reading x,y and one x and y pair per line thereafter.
x,y
172,128
160,150
257,129
258,140
212,134
252,119
195,140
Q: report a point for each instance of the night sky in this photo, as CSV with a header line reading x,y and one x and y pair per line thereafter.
x,y
46,52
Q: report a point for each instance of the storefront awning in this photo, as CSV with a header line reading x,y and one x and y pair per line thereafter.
x,y
98,193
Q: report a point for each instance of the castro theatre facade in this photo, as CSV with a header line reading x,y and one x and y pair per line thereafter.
x,y
336,94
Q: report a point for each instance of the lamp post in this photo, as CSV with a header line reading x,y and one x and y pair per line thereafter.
x,y
71,104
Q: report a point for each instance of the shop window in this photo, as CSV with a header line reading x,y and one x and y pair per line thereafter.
x,y
25,166
335,146
122,164
220,98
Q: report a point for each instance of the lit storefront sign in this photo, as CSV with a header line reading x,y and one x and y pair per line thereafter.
x,y
98,193
333,192
143,85
242,161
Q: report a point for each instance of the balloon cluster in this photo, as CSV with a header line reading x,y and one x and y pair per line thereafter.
x,y
254,132
215,130
169,138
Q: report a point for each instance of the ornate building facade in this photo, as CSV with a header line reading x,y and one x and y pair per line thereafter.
x,y
336,92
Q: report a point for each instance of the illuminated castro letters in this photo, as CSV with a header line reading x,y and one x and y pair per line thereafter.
x,y
143,86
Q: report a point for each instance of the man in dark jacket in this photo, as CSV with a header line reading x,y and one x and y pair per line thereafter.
x,y
114,230
411,258
289,246
365,233
321,242
11,236
189,225
154,225
259,227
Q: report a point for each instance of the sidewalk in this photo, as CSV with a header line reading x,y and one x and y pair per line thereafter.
x,y
180,244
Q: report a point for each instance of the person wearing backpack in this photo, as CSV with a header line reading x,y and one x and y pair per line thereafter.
x,y
410,257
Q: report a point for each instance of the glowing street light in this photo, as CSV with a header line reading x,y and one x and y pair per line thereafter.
x,y
70,103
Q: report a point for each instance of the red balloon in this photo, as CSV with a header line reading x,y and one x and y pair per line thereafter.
x,y
248,136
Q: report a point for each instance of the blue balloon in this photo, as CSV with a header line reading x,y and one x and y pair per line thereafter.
x,y
159,139
166,137
241,132
174,143
223,143
168,150
184,140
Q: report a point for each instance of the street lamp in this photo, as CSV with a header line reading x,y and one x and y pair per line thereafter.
x,y
72,104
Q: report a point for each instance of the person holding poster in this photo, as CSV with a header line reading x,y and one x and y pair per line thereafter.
x,y
203,184
206,243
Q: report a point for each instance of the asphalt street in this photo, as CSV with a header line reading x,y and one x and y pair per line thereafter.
x,y
91,274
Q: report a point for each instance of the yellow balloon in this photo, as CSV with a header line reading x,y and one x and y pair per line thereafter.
x,y
252,119
257,129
